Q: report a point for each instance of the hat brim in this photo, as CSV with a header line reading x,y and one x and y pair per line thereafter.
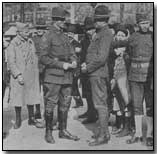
x,y
58,18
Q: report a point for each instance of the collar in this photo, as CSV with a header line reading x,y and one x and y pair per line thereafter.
x,y
141,32
21,38
55,29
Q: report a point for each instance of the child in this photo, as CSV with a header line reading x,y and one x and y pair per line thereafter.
x,y
119,84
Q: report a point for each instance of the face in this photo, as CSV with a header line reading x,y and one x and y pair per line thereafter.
x,y
144,25
121,36
99,24
91,32
60,24
40,32
24,33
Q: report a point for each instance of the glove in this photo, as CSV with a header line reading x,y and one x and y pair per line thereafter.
x,y
20,79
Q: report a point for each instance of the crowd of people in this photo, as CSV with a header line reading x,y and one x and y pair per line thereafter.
x,y
114,64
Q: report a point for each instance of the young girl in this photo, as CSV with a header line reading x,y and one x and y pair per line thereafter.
x,y
119,63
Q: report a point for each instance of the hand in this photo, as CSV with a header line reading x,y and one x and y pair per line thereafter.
x,y
77,50
74,64
66,66
20,80
113,83
84,68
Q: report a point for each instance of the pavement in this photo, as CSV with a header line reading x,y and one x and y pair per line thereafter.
x,y
31,138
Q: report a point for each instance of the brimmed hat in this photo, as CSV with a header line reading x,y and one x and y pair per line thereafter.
x,y
89,23
142,16
101,12
58,13
22,26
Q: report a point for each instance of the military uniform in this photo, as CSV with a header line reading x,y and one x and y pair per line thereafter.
x,y
140,74
141,69
57,50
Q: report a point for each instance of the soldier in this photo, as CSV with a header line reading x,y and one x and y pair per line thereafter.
x,y
141,71
59,60
23,64
96,66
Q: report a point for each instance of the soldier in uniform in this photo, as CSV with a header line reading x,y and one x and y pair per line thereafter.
x,y
96,66
141,71
59,60
24,82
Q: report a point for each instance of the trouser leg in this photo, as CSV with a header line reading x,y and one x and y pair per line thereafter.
x,y
51,98
99,95
137,95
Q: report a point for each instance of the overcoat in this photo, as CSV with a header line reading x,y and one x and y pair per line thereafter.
x,y
23,60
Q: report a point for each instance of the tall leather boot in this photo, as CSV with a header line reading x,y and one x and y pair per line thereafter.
x,y
37,112
104,135
48,133
31,119
18,117
63,133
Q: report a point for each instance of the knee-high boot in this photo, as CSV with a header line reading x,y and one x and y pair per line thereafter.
x,y
48,133
18,117
31,120
63,133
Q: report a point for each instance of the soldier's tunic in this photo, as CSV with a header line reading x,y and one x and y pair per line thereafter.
x,y
23,60
141,70
97,56
56,50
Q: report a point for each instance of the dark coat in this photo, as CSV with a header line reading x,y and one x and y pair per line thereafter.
x,y
98,52
56,50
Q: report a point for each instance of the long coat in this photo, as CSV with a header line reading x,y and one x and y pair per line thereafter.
x,y
23,60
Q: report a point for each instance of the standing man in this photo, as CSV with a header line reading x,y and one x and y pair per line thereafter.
x,y
96,66
24,82
59,60
141,72
91,114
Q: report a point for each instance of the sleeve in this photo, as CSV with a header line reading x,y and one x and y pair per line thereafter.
x,y
45,56
111,60
101,58
73,56
12,61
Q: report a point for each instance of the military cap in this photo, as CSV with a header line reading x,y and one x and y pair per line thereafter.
x,y
142,16
101,12
89,23
58,13
21,26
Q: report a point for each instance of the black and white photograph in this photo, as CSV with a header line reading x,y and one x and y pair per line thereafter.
x,y
78,76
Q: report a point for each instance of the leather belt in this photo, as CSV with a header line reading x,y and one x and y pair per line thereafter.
x,y
139,65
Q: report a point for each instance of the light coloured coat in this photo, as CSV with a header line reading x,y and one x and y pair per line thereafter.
x,y
23,60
